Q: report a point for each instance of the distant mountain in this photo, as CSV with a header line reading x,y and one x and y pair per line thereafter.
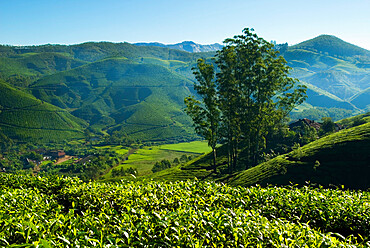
x,y
93,51
29,63
331,64
188,46
333,46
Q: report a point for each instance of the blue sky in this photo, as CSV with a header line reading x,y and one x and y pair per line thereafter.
x,y
34,22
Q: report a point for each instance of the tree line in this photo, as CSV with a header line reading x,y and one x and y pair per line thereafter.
x,y
244,92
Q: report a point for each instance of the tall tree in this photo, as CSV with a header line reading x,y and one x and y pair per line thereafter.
x,y
205,115
230,101
255,91
252,90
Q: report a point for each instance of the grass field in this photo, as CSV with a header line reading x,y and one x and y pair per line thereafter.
x,y
192,147
144,159
118,149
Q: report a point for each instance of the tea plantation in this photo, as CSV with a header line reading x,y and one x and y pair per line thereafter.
x,y
65,212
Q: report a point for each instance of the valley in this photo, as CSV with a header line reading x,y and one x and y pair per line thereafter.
x,y
138,91
133,95
100,131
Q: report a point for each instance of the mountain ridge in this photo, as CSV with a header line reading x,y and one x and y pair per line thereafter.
x,y
113,86
334,46
331,64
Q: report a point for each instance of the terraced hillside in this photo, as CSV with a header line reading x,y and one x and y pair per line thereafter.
x,y
362,99
355,120
138,91
341,158
142,100
25,118
331,64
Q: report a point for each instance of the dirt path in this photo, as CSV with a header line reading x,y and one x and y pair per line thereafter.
x,y
65,158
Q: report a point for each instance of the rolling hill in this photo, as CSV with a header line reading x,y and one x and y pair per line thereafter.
x,y
138,90
22,69
334,47
142,100
25,118
338,159
331,64
355,120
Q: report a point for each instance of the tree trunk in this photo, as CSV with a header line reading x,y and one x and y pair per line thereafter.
x,y
214,159
248,149
235,154
256,148
229,158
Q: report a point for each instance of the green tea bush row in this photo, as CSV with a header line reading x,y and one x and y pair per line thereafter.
x,y
65,212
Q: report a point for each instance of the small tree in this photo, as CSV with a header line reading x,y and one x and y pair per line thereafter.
x,y
328,126
34,156
304,134
184,158
162,165
176,161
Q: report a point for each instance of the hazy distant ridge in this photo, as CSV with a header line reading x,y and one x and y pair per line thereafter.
x,y
188,46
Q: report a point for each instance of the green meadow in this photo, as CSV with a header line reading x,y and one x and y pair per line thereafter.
x,y
144,158
118,149
190,147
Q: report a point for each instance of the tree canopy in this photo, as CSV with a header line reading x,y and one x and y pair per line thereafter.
x,y
248,93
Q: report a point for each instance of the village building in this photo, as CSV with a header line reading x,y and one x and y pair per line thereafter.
x,y
57,154
307,122
312,123
338,127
